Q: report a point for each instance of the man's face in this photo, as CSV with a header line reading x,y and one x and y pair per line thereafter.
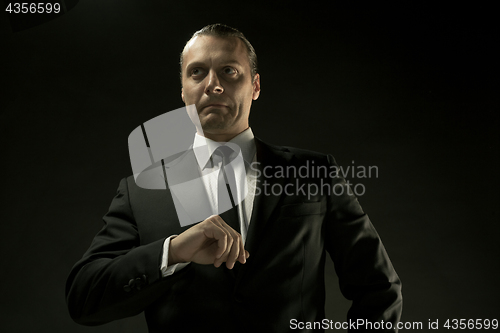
x,y
216,77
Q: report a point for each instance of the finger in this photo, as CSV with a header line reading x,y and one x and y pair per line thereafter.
x,y
238,243
236,247
235,250
242,257
223,228
229,241
224,258
216,232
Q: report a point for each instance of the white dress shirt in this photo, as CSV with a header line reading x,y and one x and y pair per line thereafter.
x,y
209,168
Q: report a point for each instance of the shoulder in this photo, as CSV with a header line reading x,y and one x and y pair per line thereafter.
x,y
305,153
294,154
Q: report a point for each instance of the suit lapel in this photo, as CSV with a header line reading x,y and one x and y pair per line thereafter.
x,y
265,202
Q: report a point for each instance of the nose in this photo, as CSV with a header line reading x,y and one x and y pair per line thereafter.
x,y
213,85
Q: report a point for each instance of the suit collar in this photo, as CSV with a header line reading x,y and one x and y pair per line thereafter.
x,y
204,147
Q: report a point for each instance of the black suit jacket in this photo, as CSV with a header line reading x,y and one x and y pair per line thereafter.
x,y
288,238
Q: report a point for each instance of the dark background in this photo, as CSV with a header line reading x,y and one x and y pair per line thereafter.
x,y
410,89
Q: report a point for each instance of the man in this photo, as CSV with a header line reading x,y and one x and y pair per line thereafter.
x,y
259,267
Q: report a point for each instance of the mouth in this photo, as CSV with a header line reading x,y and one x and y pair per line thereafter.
x,y
215,106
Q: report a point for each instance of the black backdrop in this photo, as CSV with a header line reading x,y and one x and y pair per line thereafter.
x,y
410,89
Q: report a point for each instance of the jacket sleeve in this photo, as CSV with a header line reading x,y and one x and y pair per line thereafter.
x,y
117,277
366,275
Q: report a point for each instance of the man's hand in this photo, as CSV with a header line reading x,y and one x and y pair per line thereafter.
x,y
210,241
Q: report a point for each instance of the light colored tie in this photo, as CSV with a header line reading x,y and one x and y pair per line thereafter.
x,y
226,200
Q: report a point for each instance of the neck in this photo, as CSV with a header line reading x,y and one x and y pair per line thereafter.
x,y
220,137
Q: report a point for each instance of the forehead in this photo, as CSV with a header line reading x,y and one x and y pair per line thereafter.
x,y
215,49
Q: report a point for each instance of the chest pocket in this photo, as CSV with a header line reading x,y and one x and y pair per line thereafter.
x,y
301,209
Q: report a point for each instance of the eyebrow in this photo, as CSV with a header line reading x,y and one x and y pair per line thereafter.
x,y
231,62
201,64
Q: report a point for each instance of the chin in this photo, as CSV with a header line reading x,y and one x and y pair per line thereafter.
x,y
214,129
213,122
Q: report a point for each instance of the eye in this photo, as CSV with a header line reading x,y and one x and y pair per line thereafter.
x,y
196,72
230,71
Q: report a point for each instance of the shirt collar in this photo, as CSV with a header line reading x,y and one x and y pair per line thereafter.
x,y
204,147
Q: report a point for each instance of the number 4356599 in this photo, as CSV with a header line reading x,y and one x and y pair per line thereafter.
x,y
33,8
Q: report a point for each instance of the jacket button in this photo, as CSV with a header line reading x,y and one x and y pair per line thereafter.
x,y
138,283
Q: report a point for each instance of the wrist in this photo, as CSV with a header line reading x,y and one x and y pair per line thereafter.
x,y
172,258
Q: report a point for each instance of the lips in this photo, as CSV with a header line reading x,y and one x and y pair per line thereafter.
x,y
215,105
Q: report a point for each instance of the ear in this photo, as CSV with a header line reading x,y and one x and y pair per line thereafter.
x,y
256,87
182,95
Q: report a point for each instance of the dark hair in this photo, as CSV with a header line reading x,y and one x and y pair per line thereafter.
x,y
222,30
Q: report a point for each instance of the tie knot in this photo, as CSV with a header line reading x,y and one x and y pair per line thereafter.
x,y
225,152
